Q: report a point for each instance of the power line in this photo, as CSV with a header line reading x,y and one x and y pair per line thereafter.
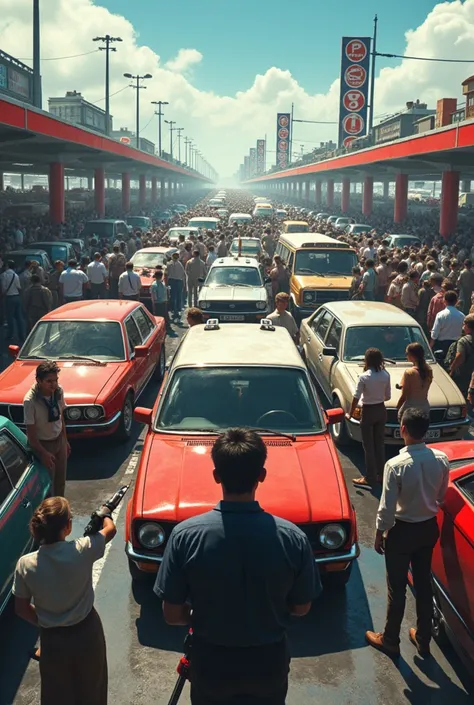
x,y
59,58
425,58
144,128
112,94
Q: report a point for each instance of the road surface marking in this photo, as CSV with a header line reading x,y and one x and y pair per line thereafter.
x,y
132,465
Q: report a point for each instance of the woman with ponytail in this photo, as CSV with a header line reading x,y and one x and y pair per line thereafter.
x,y
416,381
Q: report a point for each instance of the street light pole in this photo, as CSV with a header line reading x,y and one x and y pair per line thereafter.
x,y
160,115
108,41
138,87
179,131
171,123
186,142
37,98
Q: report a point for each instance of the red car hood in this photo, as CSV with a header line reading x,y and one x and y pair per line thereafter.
x,y
302,484
82,383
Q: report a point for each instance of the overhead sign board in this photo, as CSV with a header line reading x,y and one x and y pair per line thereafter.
x,y
283,140
354,88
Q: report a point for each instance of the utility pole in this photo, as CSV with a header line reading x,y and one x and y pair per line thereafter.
x,y
179,131
372,78
108,41
186,142
138,87
37,97
171,123
160,114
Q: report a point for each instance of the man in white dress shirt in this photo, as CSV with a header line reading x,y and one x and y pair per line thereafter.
x,y
129,284
448,324
98,277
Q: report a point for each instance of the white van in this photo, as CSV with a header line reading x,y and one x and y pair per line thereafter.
x,y
204,223
240,218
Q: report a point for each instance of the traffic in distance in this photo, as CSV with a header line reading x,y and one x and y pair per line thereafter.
x,y
238,311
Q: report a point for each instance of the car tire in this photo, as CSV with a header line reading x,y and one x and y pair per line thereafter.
x,y
438,630
135,572
339,579
338,431
124,430
160,368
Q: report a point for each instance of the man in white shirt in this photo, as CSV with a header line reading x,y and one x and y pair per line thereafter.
x,y
11,289
176,277
97,274
129,284
211,257
414,485
281,316
72,282
19,237
448,324
369,252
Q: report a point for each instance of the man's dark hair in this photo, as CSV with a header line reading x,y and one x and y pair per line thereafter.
x,y
35,279
369,263
468,263
416,423
469,322
402,267
11,264
116,249
413,274
129,265
72,263
239,457
46,368
451,298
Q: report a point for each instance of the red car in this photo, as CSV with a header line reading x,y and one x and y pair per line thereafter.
x,y
144,263
453,558
106,350
240,375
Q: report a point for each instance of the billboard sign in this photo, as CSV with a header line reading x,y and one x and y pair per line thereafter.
x,y
16,79
283,140
260,157
354,89
253,161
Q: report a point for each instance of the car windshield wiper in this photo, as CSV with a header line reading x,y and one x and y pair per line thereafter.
x,y
35,357
270,431
389,359
341,274
247,286
81,357
305,270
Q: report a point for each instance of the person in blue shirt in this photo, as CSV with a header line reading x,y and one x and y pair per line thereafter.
x,y
369,279
159,296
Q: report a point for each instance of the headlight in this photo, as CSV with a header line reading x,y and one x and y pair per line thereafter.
x,y
92,412
261,305
454,412
204,304
332,536
308,296
151,535
74,413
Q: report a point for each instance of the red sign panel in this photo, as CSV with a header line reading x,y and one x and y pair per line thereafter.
x,y
355,76
354,101
353,124
356,50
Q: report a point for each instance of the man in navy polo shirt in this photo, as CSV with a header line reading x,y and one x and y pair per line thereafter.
x,y
244,572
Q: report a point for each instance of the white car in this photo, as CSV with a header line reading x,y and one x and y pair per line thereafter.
x,y
357,229
240,219
343,222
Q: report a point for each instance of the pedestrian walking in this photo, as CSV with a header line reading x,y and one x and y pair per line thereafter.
x,y
283,318
415,484
416,381
53,591
45,428
383,273
98,277
38,301
176,276
461,367
280,277
409,295
447,327
129,284
117,266
11,293
72,283
195,275
245,572
372,391
369,282
159,297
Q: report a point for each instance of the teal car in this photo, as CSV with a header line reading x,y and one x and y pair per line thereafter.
x,y
24,483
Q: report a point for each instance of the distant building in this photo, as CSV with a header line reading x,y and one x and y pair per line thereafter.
x,y
424,124
16,79
74,108
126,136
402,124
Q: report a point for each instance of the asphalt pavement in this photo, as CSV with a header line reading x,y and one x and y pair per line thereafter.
x,y
331,662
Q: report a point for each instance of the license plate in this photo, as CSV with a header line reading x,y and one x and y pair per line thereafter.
x,y
430,435
229,317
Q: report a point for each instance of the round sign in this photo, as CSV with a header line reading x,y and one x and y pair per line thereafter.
x,y
283,121
283,133
282,158
355,76
348,141
125,140
356,50
354,101
353,124
282,145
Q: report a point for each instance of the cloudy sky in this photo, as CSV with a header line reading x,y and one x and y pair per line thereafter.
x,y
228,66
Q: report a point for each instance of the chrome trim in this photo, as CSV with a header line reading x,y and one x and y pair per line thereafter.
x,y
141,557
350,555
459,422
451,605
96,425
83,407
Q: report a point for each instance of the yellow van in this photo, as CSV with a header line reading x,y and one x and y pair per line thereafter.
x,y
320,268
294,226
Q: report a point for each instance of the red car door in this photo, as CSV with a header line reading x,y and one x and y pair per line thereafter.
x,y
139,365
152,337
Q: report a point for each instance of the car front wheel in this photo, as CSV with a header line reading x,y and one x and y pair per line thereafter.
x,y
124,430
339,432
161,364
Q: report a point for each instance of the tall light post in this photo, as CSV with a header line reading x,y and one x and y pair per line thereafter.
x,y
37,98
179,131
171,123
187,142
138,87
108,40
160,114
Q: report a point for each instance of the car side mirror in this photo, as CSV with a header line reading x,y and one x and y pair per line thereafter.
x,y
335,416
143,415
439,355
267,280
141,351
330,352
13,350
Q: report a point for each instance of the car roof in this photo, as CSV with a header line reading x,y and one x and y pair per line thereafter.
x,y
233,261
105,310
237,344
241,215
360,225
157,249
203,219
412,237
105,220
29,251
295,222
183,227
299,240
246,238
369,313
56,242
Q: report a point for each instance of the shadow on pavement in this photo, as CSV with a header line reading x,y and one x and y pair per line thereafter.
x,y
19,640
444,690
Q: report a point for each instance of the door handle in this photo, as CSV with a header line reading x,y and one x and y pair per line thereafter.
x,y
320,357
25,503
308,339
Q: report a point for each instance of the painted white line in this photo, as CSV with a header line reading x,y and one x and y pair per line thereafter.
x,y
98,566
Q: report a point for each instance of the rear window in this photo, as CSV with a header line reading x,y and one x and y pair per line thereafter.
x,y
99,229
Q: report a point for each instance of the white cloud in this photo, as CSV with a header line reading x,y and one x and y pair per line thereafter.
x,y
225,126
184,60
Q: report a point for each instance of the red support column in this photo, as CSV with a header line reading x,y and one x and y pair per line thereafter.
x,y
317,193
56,192
330,193
125,192
153,190
368,197
401,198
448,218
345,194
99,191
142,190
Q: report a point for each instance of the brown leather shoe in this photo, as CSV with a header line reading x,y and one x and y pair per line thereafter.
x,y
375,639
423,651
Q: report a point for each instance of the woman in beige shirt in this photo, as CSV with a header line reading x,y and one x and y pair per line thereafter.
x,y
416,381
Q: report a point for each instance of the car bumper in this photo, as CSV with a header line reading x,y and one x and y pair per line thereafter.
x,y
240,317
452,431
330,562
106,428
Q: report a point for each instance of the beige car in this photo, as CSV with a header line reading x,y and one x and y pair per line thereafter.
x,y
334,340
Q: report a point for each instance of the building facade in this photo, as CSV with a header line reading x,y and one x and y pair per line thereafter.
x,y
74,108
